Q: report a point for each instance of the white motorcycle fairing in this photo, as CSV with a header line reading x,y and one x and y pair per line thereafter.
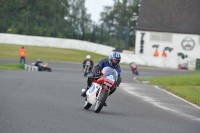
x,y
91,93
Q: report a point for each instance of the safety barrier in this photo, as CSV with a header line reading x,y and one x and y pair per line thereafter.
x,y
197,65
127,56
55,43
30,68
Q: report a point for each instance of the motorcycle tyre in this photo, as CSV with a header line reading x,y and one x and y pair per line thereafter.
x,y
85,72
48,70
103,100
137,73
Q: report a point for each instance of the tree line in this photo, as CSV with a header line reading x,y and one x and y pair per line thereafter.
x,y
69,19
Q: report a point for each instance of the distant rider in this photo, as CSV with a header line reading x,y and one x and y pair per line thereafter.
x,y
112,61
88,58
133,64
38,64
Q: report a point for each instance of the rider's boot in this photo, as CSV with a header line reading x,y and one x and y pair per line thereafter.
x,y
83,94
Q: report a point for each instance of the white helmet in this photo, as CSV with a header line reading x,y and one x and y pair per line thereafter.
x,y
88,57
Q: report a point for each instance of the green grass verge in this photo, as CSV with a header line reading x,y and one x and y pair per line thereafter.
x,y
47,53
187,87
11,67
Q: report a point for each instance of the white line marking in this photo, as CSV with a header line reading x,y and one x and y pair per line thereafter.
x,y
68,69
135,78
153,101
177,97
172,95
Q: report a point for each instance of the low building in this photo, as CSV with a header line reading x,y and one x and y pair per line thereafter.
x,y
170,25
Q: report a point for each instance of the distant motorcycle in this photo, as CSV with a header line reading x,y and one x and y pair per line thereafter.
x,y
42,66
87,68
133,67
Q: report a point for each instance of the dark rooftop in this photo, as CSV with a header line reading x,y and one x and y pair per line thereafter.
x,y
176,16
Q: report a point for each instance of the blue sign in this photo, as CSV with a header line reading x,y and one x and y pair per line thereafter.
x,y
92,88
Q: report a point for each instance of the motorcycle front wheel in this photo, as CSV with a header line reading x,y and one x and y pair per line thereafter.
x,y
49,70
85,71
136,72
100,101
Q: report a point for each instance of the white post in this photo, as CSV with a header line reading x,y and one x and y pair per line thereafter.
x,y
25,67
29,68
35,68
191,64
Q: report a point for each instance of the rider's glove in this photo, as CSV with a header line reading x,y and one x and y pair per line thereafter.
x,y
96,74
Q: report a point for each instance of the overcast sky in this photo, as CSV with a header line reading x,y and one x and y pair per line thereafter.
x,y
94,7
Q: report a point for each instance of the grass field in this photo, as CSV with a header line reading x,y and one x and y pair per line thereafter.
x,y
11,67
187,87
47,53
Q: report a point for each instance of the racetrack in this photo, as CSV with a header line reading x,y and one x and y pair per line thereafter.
x,y
42,102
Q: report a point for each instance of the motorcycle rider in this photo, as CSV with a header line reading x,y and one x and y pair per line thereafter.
x,y
133,67
112,61
88,58
37,63
133,64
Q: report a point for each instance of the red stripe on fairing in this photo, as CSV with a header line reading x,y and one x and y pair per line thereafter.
x,y
106,88
101,80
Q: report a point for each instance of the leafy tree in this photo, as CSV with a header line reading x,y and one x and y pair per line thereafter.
x,y
44,17
119,18
69,19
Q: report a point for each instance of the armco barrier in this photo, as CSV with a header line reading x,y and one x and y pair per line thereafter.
x,y
30,68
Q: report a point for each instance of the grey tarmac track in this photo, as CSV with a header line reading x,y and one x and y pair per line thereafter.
x,y
42,102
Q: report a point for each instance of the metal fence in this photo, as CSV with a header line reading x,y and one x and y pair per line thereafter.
x,y
120,37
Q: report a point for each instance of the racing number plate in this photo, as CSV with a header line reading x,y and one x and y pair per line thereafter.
x,y
87,63
109,80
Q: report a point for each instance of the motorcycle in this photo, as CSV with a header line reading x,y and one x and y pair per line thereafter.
x,y
87,68
133,67
98,92
42,67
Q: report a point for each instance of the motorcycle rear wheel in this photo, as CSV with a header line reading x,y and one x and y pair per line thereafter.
x,y
101,100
